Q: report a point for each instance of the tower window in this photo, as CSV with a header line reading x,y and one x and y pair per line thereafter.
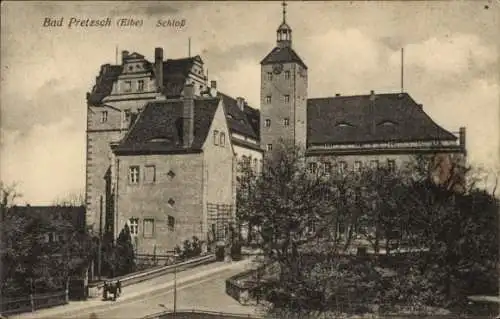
x,y
140,85
216,137
269,147
269,75
133,174
268,99
287,98
267,123
104,116
287,75
286,121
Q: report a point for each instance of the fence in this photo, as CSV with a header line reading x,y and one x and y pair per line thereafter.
x,y
198,314
10,306
144,261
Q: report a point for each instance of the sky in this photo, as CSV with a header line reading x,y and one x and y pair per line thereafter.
x,y
451,66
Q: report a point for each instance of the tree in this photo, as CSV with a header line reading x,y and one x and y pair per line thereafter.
x,y
123,253
71,199
292,207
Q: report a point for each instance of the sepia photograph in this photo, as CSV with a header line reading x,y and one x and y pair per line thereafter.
x,y
250,159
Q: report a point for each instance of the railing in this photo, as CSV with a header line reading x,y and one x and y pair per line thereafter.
x,y
10,306
141,276
198,314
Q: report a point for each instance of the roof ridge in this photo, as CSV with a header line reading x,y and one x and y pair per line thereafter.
x,y
355,95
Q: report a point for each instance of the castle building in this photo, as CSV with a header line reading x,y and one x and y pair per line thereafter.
x,y
163,144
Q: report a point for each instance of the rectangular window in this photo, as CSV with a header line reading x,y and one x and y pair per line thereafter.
x,y
391,165
268,99
267,123
374,164
286,121
342,167
269,147
222,139
313,167
128,86
287,98
216,137
357,166
149,174
287,75
104,116
133,174
134,226
269,75
140,85
171,223
328,167
149,227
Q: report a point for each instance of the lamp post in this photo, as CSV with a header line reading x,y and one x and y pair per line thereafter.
x,y
175,284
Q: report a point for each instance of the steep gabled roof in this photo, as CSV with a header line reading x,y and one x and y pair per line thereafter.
x,y
175,73
159,128
237,119
104,83
360,119
283,55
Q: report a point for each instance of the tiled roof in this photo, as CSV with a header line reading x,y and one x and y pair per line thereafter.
x,y
104,83
238,120
283,55
159,128
175,73
358,119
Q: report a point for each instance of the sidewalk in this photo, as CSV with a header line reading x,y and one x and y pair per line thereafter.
x,y
137,291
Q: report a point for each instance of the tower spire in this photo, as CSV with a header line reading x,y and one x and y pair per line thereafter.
x,y
284,11
284,32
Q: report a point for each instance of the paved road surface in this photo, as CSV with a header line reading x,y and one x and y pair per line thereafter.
x,y
202,287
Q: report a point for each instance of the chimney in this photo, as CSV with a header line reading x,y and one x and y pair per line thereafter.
x,y
372,95
159,69
213,88
188,116
124,56
240,102
337,94
461,137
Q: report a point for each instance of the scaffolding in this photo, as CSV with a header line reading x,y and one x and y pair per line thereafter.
x,y
220,217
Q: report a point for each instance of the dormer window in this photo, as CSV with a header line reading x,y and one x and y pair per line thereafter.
x,y
287,75
387,123
128,86
344,124
104,116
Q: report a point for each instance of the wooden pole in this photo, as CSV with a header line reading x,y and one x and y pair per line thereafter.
x,y
402,70
99,253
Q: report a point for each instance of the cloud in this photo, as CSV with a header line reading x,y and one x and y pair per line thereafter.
x,y
48,161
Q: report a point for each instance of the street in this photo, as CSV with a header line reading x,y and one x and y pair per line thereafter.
x,y
202,287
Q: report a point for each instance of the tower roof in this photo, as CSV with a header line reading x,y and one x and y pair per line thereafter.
x,y
283,55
